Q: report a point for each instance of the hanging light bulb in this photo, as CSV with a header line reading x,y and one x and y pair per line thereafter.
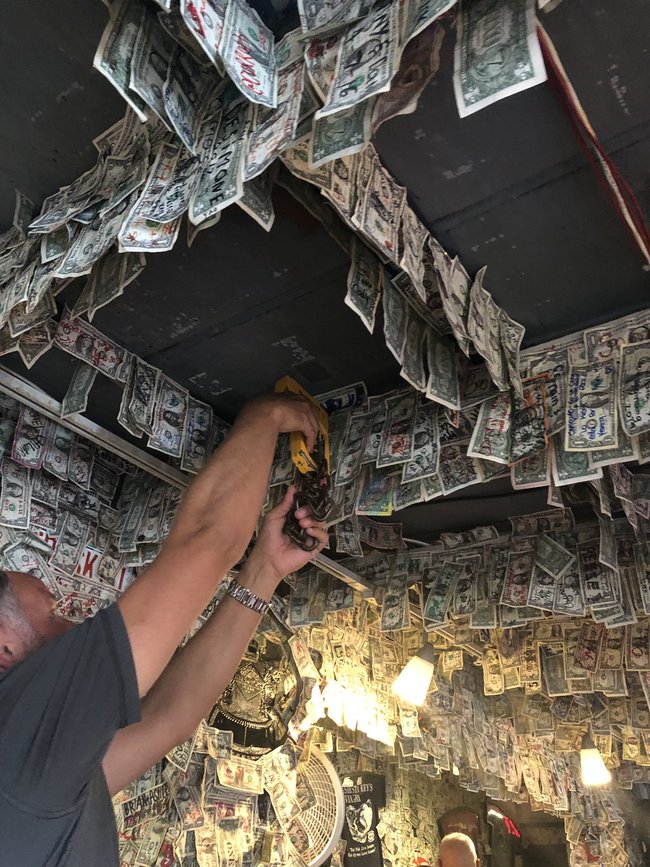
x,y
415,679
592,766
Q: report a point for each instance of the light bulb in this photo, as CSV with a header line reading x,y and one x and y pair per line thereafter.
x,y
592,766
415,679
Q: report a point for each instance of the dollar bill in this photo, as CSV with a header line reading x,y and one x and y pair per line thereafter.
x,y
221,182
71,543
443,380
247,50
465,597
16,495
457,469
484,31
441,581
395,605
375,492
517,578
379,213
348,397
396,311
424,460
92,241
340,135
142,396
588,647
533,471
552,557
59,448
352,449
365,283
511,335
169,418
257,200
115,52
275,129
541,591
196,437
21,319
205,21
76,397
637,646
152,52
493,681
186,93
30,438
421,13
368,59
80,464
600,585
569,468
454,294
241,774
413,370
347,536
381,535
591,413
635,387
80,339
140,235
626,450
407,494
396,444
491,439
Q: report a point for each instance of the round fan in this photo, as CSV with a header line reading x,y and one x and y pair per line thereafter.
x,y
323,821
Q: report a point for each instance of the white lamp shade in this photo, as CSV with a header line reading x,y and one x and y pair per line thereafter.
x,y
413,683
592,767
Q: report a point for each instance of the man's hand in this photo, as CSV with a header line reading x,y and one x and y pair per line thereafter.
x,y
288,412
274,554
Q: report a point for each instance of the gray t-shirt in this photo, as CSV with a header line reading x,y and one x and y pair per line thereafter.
x,y
59,710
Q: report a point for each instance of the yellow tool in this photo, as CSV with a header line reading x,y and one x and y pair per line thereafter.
x,y
299,452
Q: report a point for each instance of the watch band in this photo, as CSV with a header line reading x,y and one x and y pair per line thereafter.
x,y
247,597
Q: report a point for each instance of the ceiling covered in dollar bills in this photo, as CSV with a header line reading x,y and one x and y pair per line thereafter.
x,y
403,258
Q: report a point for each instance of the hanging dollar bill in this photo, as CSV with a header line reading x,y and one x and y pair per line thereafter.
x,y
491,438
424,461
16,495
169,418
30,438
368,60
341,134
76,397
635,387
115,51
591,412
198,424
151,55
505,32
396,445
257,199
86,343
205,19
221,178
365,283
247,51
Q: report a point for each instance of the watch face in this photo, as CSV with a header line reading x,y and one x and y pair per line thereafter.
x,y
263,694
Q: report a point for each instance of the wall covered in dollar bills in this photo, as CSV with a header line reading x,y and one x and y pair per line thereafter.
x,y
356,203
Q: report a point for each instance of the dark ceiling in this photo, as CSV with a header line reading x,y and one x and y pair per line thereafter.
x,y
508,187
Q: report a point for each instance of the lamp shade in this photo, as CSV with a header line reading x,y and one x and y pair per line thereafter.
x,y
414,681
592,766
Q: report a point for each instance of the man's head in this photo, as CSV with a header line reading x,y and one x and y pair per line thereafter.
x,y
457,850
28,617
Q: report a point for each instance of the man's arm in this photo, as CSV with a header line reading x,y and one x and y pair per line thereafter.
x,y
212,529
198,674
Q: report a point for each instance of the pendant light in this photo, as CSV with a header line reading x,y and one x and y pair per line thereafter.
x,y
412,685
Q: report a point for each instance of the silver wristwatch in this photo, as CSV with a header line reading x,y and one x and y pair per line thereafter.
x,y
247,597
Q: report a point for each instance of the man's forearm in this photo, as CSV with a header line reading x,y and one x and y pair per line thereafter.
x,y
198,674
